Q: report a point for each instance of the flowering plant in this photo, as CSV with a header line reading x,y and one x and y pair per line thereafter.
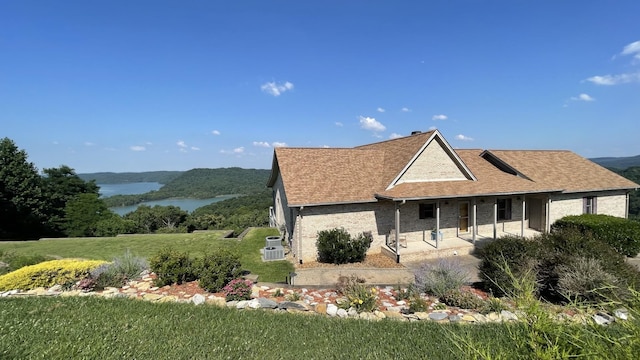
x,y
238,289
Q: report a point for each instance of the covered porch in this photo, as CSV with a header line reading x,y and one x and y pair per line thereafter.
x,y
417,250
456,226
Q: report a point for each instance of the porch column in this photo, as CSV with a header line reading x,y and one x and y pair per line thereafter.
x,y
495,218
397,220
522,220
475,222
547,206
437,224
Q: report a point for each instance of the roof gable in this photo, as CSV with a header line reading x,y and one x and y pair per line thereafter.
x,y
434,161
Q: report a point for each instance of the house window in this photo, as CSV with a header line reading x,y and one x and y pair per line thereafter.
x,y
427,211
589,205
504,209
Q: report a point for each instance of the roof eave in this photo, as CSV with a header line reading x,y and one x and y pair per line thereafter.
x,y
294,205
415,198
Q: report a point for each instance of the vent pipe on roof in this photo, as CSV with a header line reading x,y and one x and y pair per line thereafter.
x,y
415,132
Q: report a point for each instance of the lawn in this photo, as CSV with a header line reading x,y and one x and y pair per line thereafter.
x,y
196,244
86,327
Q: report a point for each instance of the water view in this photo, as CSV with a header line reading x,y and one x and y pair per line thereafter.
x,y
186,204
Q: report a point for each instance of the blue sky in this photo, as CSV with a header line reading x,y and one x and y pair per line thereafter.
x,y
174,85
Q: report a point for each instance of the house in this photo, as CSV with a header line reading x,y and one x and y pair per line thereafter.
x,y
421,191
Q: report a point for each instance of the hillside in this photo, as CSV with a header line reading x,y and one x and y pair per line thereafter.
x,y
617,162
201,184
162,177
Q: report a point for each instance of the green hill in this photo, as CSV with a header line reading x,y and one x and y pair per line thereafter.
x,y
201,184
162,177
617,162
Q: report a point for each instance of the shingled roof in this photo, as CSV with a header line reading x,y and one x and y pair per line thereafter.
x,y
318,176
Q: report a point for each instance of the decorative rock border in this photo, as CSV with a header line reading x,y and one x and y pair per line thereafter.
x,y
319,302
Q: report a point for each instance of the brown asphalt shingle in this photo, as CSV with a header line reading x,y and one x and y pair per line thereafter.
x,y
314,176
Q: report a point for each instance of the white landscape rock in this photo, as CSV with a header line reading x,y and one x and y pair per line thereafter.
x,y
198,299
332,310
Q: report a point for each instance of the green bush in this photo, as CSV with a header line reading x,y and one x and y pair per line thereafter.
x,y
217,269
336,246
437,279
15,262
172,267
518,253
622,234
462,299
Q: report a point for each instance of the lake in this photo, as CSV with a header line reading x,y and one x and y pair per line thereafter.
x,y
143,187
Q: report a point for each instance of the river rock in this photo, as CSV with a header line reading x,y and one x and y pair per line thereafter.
x,y
342,313
332,310
152,297
321,308
198,299
622,313
290,305
438,316
508,316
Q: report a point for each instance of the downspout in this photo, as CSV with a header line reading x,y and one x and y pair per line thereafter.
x,y
397,220
300,233
547,225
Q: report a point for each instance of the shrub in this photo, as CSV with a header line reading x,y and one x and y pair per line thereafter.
x,y
621,234
358,295
406,293
437,279
462,299
519,255
337,247
217,269
585,280
48,273
118,272
493,304
238,289
172,267
417,304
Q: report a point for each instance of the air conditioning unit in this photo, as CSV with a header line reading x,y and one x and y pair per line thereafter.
x,y
273,241
273,253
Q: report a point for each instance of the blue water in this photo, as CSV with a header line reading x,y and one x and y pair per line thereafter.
x,y
188,205
107,190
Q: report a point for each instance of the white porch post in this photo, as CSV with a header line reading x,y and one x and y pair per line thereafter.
x,y
475,222
495,218
547,226
437,224
397,220
522,220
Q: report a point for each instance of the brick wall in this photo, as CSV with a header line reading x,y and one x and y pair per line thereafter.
x,y
433,164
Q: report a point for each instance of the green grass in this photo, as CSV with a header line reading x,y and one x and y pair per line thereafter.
x,y
95,328
196,244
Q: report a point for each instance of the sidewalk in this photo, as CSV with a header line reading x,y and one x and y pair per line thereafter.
x,y
324,277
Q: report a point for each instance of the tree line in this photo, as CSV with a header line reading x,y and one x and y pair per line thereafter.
x,y
59,203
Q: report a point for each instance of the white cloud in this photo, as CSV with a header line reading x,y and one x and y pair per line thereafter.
x,y
339,124
183,150
261,144
138,148
326,146
405,109
215,132
394,136
88,143
582,97
278,144
272,88
463,138
182,144
632,49
369,123
439,117
238,150
380,110
194,148
615,79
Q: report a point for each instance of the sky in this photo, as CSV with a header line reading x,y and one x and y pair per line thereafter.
x,y
142,85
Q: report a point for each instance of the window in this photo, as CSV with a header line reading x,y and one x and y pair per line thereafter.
x,y
504,209
427,211
589,205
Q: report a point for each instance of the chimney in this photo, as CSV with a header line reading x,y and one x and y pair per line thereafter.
x,y
416,132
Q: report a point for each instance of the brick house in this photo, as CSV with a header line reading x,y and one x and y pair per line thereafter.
x,y
419,190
